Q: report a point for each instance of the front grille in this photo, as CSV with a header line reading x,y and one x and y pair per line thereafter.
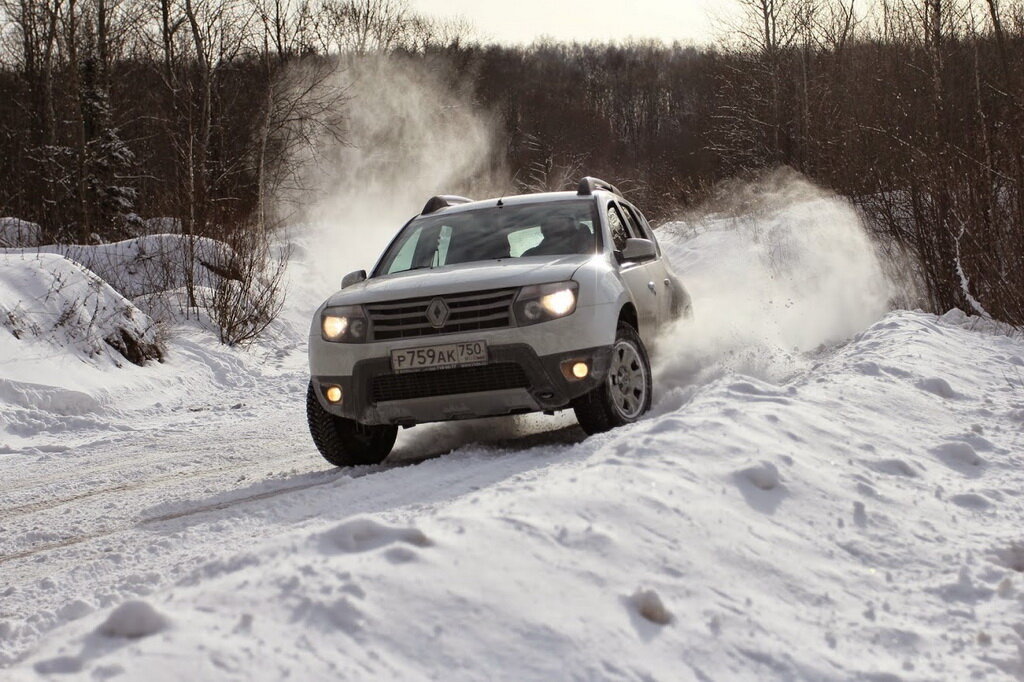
x,y
428,384
467,312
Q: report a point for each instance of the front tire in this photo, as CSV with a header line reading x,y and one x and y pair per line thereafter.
x,y
625,394
345,442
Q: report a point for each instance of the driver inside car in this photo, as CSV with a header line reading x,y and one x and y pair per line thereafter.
x,y
561,236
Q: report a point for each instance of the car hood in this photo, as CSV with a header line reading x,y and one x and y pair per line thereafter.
x,y
464,277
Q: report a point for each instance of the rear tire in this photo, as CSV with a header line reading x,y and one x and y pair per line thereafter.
x,y
345,442
625,394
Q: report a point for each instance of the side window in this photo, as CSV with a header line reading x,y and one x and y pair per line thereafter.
x,y
641,222
645,228
618,228
632,226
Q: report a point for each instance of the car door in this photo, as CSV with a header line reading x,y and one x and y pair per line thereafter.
x,y
657,268
635,274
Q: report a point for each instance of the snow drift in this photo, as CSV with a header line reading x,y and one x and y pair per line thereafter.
x,y
851,522
150,264
50,302
16,233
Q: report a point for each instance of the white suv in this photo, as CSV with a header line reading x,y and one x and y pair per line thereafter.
x,y
531,303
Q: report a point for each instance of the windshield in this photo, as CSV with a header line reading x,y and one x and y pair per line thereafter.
x,y
522,231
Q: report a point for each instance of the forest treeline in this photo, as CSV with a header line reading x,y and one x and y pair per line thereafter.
x,y
113,109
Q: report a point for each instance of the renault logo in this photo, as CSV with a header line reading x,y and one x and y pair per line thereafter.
x,y
437,313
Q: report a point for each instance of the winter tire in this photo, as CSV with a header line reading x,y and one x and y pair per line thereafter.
x,y
625,394
345,442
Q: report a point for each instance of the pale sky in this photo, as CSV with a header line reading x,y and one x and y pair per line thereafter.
x,y
523,21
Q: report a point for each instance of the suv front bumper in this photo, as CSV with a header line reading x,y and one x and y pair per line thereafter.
x,y
515,380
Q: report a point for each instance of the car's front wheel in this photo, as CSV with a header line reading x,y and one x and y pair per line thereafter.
x,y
345,442
625,394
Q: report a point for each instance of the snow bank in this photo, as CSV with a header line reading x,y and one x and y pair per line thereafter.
x,y
63,328
151,264
16,233
50,302
846,523
62,332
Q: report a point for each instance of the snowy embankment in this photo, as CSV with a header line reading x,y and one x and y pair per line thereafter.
x,y
153,270
15,233
71,314
817,494
62,329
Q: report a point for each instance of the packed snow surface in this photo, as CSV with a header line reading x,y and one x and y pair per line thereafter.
x,y
822,491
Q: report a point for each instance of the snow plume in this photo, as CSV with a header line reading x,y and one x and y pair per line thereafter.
x,y
409,134
776,268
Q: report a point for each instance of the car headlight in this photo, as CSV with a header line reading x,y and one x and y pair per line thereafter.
x,y
543,302
345,324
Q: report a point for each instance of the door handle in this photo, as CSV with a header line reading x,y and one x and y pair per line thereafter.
x,y
654,289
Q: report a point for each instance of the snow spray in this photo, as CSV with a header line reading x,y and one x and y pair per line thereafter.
x,y
777,269
409,134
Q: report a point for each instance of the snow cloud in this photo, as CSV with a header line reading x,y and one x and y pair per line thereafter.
x,y
776,268
410,133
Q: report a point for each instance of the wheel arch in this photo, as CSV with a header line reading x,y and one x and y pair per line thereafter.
x,y
628,315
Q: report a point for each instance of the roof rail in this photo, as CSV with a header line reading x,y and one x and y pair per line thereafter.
x,y
443,201
589,184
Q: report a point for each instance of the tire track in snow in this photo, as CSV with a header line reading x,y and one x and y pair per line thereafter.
x,y
155,482
330,476
226,504
504,447
138,457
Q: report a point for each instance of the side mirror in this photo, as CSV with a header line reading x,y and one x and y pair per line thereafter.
x,y
639,250
353,278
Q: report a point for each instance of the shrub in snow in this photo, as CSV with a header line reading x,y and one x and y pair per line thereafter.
x,y
45,297
133,619
61,665
16,233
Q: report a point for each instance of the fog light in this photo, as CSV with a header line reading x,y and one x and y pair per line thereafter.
x,y
333,394
575,370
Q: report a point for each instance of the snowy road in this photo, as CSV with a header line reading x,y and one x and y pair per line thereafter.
x,y
119,515
821,492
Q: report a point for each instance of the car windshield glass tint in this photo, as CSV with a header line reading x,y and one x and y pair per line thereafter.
x,y
524,231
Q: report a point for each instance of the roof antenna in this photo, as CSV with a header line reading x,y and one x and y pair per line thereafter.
x,y
500,202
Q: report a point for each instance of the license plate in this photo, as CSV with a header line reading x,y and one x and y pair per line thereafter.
x,y
439,357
